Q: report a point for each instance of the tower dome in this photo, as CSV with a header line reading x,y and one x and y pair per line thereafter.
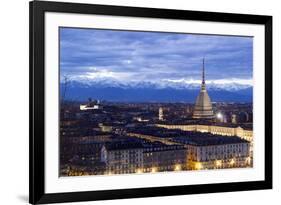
x,y
203,106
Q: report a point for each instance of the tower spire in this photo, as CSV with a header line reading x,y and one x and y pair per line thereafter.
x,y
203,72
203,85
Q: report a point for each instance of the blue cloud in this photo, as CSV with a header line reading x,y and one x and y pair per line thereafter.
x,y
126,56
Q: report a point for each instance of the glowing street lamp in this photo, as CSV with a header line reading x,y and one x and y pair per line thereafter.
x,y
219,116
153,169
218,163
232,162
198,166
177,167
139,171
248,160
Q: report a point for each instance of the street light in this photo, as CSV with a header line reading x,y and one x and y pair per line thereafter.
x,y
218,163
139,171
153,169
219,116
248,160
198,166
232,162
177,167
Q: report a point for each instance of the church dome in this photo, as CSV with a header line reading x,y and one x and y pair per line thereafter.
x,y
203,106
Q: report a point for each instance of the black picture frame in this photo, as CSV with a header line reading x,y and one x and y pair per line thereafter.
x,y
37,10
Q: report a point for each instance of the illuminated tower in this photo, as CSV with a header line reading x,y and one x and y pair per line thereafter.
x,y
203,106
161,115
234,119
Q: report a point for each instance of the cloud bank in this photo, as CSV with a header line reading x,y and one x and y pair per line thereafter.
x,y
126,57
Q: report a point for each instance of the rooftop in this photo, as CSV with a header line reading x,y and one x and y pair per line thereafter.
x,y
203,139
189,137
141,144
248,126
123,145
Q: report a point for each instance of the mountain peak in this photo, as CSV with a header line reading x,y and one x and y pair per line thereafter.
x,y
227,85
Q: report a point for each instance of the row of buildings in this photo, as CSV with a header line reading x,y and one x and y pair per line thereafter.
x,y
154,149
142,157
225,130
161,149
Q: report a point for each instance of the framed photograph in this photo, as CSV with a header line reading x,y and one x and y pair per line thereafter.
x,y
130,102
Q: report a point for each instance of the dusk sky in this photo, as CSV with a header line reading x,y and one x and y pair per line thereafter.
x,y
91,55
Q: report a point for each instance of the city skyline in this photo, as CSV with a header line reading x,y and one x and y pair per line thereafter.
x,y
137,119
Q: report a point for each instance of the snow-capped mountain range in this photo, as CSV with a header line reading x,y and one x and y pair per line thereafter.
x,y
169,91
163,84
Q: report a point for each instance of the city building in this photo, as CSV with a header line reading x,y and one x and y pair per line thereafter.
x,y
145,156
234,119
225,130
203,106
208,151
203,150
122,158
91,105
161,114
159,157
105,128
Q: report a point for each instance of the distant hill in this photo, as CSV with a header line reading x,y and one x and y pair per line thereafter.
x,y
154,93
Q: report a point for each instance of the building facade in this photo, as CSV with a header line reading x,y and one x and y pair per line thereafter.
x,y
147,157
122,158
159,158
214,129
160,114
218,156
